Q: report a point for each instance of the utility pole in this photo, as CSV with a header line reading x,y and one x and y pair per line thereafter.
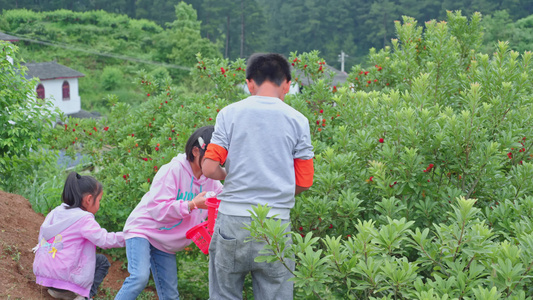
x,y
342,56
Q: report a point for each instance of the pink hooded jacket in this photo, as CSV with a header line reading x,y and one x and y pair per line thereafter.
x,y
65,257
162,217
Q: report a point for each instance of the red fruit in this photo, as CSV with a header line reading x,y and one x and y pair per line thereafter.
x,y
156,148
210,119
145,159
381,140
292,64
429,180
371,178
321,111
148,94
124,176
132,134
170,139
510,155
95,129
301,228
366,73
222,70
330,225
73,129
425,170
90,133
76,124
387,83
369,82
375,80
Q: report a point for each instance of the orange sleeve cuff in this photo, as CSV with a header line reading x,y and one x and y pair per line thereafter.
x,y
216,153
304,171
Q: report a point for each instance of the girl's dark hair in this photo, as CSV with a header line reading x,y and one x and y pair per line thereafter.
x,y
271,67
77,186
205,134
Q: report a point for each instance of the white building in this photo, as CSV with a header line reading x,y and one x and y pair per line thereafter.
x,y
58,84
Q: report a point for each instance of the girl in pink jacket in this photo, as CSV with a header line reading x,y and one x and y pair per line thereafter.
x,y
65,258
155,229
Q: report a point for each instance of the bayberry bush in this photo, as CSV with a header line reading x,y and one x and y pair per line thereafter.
x,y
422,170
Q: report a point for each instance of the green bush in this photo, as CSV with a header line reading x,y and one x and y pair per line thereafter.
x,y
111,78
25,122
422,178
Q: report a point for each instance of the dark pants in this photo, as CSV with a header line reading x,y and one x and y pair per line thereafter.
x,y
100,272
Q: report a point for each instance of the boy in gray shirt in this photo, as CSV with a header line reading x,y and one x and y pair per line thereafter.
x,y
265,145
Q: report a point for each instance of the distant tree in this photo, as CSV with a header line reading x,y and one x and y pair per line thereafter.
x,y
182,41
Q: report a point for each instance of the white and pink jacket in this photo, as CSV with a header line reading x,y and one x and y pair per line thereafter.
x,y
162,217
65,257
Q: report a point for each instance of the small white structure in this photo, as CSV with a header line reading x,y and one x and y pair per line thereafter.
x,y
57,83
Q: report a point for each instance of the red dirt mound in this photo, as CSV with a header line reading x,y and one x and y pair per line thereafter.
x,y
19,230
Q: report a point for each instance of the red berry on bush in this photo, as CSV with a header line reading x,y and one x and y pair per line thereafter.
x,y
148,94
381,140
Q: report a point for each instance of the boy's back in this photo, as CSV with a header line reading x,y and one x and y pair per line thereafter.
x,y
263,136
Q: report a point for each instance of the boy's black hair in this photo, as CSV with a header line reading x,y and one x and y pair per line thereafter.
x,y
77,186
205,133
271,67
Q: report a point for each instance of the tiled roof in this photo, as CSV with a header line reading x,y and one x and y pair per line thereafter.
x,y
51,70
7,37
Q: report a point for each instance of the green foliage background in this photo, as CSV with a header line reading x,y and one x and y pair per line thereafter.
x,y
423,161
300,25
113,35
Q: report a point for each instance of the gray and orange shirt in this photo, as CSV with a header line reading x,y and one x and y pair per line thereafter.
x,y
266,147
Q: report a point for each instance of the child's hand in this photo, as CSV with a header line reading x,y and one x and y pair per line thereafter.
x,y
199,200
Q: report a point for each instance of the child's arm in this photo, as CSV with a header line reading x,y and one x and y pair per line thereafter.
x,y
163,206
214,157
91,230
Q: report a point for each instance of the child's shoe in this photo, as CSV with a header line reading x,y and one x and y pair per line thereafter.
x,y
62,294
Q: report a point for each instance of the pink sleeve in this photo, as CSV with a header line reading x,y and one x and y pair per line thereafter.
x,y
91,230
163,206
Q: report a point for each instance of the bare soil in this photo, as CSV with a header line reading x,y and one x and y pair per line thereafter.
x,y
19,230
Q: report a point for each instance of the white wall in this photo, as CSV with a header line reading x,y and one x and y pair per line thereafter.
x,y
53,90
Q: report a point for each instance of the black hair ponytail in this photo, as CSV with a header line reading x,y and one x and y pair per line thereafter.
x,y
202,134
77,186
